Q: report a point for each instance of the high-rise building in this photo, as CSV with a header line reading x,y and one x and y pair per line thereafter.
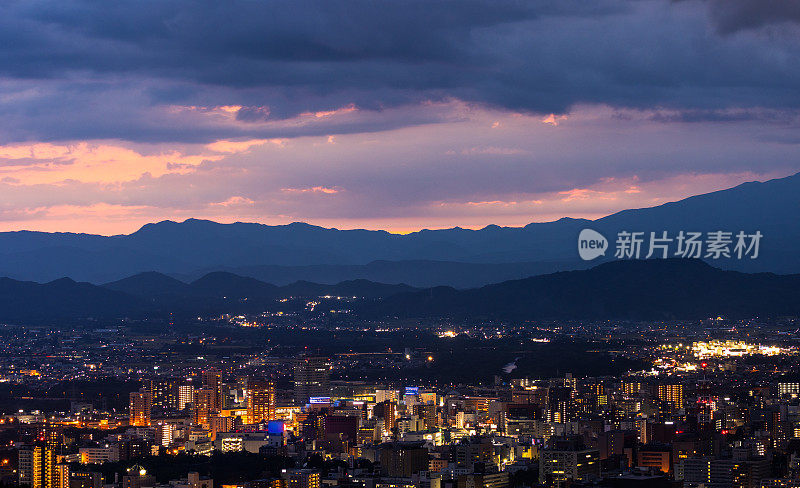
x,y
403,459
40,467
164,393
631,387
387,411
426,412
212,378
141,404
219,424
789,388
260,401
205,401
25,466
567,460
165,433
671,393
311,378
185,396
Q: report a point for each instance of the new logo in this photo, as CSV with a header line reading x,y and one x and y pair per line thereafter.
x,y
591,244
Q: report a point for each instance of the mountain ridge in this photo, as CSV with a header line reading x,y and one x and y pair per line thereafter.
x,y
195,247
669,289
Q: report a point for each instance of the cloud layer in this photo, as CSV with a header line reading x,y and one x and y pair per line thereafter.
x,y
400,114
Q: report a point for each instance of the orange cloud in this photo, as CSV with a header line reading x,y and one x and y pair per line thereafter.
x,y
90,163
225,146
554,119
329,113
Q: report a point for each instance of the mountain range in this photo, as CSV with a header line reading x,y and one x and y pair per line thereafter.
x,y
461,258
634,290
155,295
656,289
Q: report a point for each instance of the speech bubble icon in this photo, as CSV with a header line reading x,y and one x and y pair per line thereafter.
x,y
591,244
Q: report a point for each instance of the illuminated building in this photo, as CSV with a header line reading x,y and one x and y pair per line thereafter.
x,y
99,455
86,479
140,407
219,424
631,388
302,478
427,412
212,379
368,433
533,394
39,466
656,457
164,393
789,388
671,393
165,433
477,404
388,412
568,460
705,350
205,401
735,473
260,401
311,379
185,396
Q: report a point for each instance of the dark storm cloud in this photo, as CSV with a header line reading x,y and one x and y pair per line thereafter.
x,y
735,15
740,115
96,69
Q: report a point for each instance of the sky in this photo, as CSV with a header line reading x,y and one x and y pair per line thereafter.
x,y
386,114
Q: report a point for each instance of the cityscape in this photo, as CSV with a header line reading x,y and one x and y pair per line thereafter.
x,y
250,402
399,244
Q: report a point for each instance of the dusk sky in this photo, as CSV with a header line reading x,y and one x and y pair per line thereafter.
x,y
394,115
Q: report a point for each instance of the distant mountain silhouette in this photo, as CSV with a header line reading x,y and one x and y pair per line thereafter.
x,y
219,284
458,257
418,273
634,290
152,294
150,284
647,290
28,302
351,288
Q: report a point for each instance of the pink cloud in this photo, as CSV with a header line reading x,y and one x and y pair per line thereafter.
x,y
314,189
